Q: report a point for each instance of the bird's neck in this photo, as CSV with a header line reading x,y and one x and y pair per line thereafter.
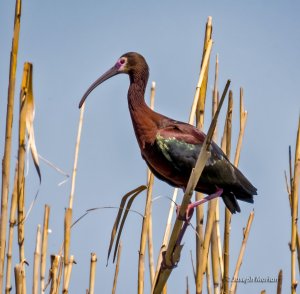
x,y
144,120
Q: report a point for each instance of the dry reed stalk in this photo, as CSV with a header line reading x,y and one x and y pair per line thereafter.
x,y
215,259
149,233
8,137
200,80
200,123
241,254
117,269
279,282
208,272
60,271
36,262
152,95
71,199
294,201
220,254
225,282
216,228
141,265
243,120
289,188
202,93
93,273
215,98
19,277
53,274
26,91
67,239
67,277
206,242
187,286
12,223
166,235
150,249
229,124
199,239
173,251
44,246
263,292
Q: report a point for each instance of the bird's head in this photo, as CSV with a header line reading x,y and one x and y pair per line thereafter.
x,y
129,63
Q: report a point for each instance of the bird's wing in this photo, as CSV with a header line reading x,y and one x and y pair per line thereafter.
x,y
181,143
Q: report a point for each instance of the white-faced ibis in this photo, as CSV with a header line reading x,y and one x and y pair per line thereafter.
x,y
170,147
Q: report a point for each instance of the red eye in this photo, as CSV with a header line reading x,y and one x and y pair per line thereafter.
x,y
122,61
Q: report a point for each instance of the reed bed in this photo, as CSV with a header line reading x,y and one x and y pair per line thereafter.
x,y
213,259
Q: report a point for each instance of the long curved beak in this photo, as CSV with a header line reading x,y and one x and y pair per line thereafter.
x,y
110,73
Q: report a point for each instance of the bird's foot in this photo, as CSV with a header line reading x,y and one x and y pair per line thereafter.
x,y
164,264
190,209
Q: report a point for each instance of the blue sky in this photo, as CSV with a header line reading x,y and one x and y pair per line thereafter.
x,y
70,44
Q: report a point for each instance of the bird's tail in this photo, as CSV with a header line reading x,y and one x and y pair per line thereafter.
x,y
246,190
231,202
242,190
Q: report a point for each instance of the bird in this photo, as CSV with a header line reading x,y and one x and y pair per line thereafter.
x,y
170,147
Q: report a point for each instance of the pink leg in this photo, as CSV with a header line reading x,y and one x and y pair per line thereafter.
x,y
191,206
189,214
218,193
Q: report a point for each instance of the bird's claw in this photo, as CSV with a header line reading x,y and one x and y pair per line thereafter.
x,y
164,264
188,213
190,209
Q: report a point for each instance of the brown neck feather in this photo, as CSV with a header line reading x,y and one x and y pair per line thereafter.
x,y
145,121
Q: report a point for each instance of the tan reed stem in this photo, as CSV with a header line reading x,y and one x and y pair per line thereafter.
x,y
215,98
187,286
216,252
44,247
67,239
200,80
117,269
200,110
220,254
214,258
279,283
93,273
206,242
53,274
26,91
241,254
149,233
294,201
67,277
19,277
202,93
8,137
60,271
76,156
289,191
225,282
208,277
173,251
243,120
36,262
141,265
12,223
166,235
150,249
